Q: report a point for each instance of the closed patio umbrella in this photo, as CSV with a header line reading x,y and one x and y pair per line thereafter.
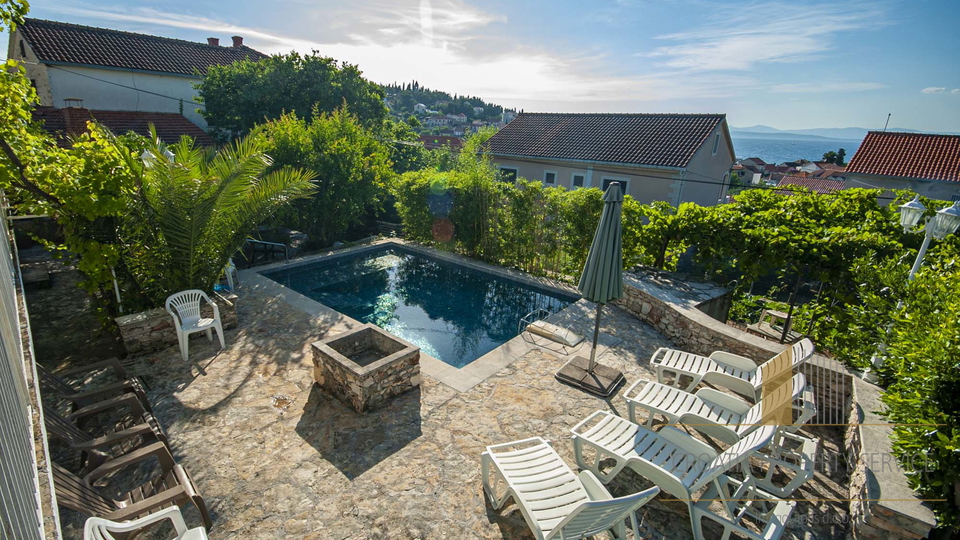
x,y
601,282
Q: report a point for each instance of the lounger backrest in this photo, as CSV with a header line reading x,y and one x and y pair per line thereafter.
x,y
782,397
74,494
594,517
732,457
63,428
53,382
781,365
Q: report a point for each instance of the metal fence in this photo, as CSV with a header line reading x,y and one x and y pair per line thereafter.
x,y
832,386
19,483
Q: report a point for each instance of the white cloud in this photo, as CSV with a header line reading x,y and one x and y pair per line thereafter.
x,y
934,90
830,86
426,43
740,39
955,91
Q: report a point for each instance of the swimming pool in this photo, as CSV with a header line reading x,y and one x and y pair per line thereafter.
x,y
452,312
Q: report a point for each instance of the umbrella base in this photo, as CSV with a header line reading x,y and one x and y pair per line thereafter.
x,y
603,382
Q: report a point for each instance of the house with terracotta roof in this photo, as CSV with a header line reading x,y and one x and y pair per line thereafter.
x,y
69,122
106,69
927,164
657,157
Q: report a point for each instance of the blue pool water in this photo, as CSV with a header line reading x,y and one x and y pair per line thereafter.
x,y
452,312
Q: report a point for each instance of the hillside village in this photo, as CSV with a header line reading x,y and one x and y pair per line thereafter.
x,y
418,306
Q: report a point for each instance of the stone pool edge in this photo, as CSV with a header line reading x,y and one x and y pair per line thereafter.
x,y
460,379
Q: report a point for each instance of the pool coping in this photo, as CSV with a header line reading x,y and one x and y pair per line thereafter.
x,y
460,379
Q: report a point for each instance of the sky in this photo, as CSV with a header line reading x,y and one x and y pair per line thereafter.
x,y
787,64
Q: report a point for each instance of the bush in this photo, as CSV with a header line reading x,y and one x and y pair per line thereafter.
x,y
923,399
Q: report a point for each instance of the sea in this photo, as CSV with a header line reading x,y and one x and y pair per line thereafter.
x,y
781,150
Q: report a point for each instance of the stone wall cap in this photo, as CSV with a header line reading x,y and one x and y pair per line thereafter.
x,y
885,481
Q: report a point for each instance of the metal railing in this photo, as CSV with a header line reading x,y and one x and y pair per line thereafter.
x,y
20,514
832,386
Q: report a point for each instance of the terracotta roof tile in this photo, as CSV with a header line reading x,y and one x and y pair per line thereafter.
x,y
75,44
908,155
665,140
817,185
62,123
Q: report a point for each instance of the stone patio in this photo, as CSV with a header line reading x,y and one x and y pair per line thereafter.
x,y
277,457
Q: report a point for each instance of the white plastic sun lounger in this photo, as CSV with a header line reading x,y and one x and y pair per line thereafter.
x,y
682,465
740,374
719,415
555,502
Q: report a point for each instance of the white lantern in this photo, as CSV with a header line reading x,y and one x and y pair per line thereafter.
x,y
911,213
945,221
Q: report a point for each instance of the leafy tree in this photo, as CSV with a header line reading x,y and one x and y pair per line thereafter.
x,y
407,152
837,157
351,165
923,399
238,96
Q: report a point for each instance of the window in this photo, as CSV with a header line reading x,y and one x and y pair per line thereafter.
x,y
577,180
607,181
716,144
508,174
550,177
23,51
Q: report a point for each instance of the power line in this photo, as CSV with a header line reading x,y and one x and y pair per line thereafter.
x,y
709,179
135,89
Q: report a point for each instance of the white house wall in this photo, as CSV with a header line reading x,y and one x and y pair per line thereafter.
x,y
644,185
934,189
708,176
94,86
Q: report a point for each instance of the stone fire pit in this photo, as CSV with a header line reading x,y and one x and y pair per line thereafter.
x,y
365,367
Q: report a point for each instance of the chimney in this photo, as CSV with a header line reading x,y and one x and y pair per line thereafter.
x,y
237,41
75,117
213,41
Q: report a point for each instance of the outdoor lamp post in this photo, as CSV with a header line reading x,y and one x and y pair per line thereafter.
x,y
945,222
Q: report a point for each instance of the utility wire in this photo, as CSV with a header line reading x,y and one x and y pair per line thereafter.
x,y
709,180
123,85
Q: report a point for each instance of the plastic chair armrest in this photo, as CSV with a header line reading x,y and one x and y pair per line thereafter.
x,y
115,438
735,360
595,489
731,403
113,363
158,450
125,400
172,513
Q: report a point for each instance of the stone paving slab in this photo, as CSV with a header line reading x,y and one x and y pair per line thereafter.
x,y
276,457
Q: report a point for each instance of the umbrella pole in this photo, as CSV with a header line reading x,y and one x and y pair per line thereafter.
x,y
596,335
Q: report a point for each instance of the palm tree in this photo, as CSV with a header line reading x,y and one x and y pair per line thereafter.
x,y
196,207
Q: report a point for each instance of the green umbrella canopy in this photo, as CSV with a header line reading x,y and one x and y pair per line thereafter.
x,y
602,279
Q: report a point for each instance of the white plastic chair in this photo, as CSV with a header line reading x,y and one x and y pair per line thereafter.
x,y
101,529
555,502
184,307
717,414
740,374
681,466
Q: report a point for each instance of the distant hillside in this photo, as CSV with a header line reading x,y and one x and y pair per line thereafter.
x,y
402,98
737,133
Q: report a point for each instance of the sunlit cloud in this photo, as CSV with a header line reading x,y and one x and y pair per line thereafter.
x,y
934,90
955,91
740,39
829,86
427,48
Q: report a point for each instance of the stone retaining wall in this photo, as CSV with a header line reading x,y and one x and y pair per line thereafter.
x,y
881,504
153,330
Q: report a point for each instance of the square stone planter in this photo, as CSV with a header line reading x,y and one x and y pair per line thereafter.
x,y
365,367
